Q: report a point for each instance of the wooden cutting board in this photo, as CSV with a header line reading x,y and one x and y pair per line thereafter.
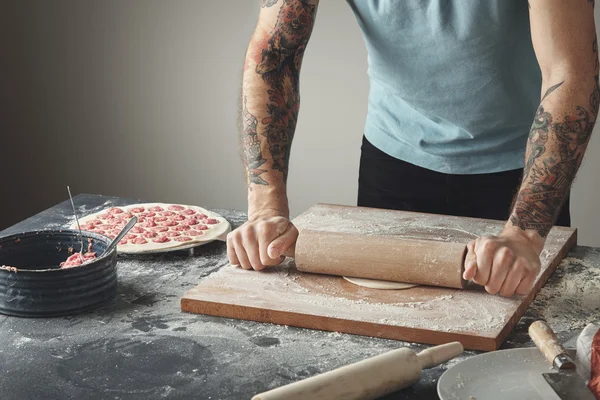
x,y
424,314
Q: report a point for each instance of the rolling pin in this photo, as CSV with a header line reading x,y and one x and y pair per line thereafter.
x,y
389,258
368,379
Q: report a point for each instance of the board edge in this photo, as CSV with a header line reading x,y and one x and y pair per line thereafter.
x,y
332,324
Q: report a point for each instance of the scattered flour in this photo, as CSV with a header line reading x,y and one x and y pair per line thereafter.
x,y
448,310
21,341
570,299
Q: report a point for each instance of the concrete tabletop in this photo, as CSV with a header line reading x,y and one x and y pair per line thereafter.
x,y
141,346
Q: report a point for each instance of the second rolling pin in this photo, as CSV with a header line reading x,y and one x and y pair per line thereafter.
x,y
368,379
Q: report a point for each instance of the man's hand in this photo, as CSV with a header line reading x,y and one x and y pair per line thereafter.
x,y
507,264
261,241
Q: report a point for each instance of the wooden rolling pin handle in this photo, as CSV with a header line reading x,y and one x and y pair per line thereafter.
x,y
545,339
433,356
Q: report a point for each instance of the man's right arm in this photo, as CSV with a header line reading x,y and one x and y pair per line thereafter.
x,y
270,102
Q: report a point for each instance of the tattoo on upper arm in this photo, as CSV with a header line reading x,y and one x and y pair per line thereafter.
x,y
279,68
550,177
268,3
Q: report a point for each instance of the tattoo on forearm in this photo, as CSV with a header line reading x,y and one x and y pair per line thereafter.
x,y
550,179
555,151
252,150
552,89
279,68
538,136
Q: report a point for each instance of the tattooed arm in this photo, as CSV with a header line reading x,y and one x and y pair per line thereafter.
x,y
270,101
564,39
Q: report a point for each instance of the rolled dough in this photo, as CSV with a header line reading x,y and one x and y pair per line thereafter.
x,y
375,284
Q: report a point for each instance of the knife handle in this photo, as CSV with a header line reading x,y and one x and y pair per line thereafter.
x,y
546,341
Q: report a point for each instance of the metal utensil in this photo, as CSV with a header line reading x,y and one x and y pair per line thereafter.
x,y
566,383
123,232
77,220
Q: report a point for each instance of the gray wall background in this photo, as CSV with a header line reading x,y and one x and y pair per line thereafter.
x,y
138,98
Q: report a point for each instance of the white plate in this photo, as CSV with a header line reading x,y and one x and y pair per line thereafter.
x,y
222,229
499,375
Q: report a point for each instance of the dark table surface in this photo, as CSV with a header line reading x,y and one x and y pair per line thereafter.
x,y
141,346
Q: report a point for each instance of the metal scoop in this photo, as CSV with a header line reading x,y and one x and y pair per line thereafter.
x,y
121,234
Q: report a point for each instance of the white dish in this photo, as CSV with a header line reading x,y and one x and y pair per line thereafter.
x,y
499,375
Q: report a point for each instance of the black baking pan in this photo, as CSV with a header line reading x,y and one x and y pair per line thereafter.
x,y
40,288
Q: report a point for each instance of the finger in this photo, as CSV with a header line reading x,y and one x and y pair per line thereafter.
x,y
278,246
266,232
525,285
250,244
512,281
470,262
265,258
501,266
484,249
241,255
233,260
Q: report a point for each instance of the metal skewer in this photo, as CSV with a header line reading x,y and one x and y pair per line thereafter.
x,y
77,220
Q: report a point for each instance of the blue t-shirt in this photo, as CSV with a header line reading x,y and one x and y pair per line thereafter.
x,y
454,84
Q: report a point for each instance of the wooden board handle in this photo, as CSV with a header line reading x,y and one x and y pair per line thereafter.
x,y
437,355
545,339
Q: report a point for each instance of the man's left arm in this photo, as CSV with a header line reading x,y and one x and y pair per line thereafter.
x,y
564,39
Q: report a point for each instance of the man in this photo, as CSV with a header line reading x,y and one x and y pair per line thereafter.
x,y
476,108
